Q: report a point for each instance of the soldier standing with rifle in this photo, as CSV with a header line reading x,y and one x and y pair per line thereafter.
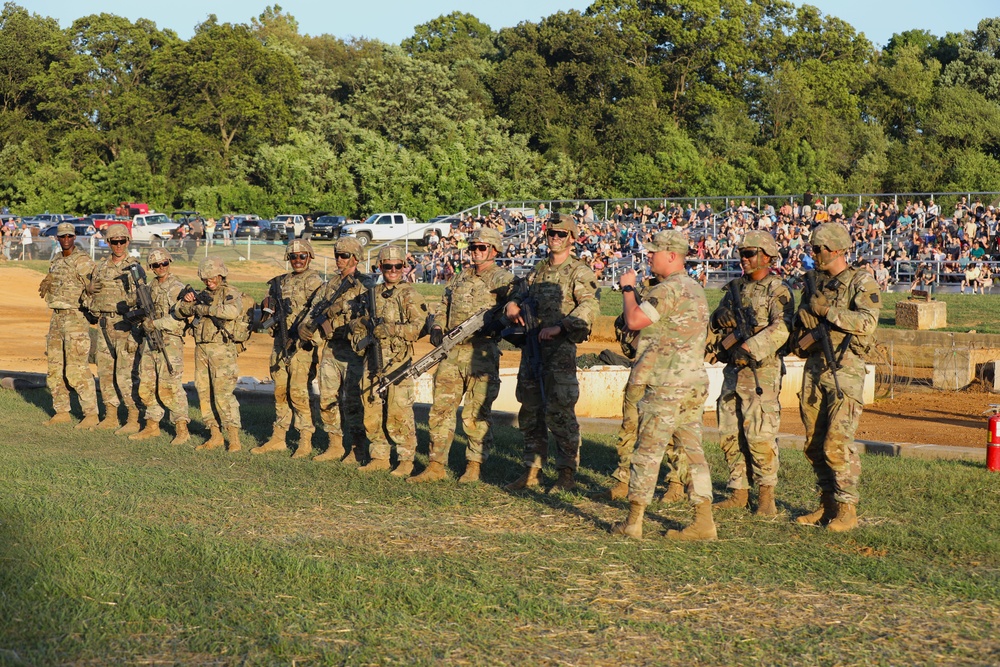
x,y
835,327
753,322
395,318
161,370
562,296
340,368
472,368
108,297
293,360
67,345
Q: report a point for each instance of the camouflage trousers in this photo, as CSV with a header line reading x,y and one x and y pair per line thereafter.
x,y
292,378
158,385
830,423
555,411
118,365
215,376
470,370
391,422
340,373
662,411
748,425
67,348
676,465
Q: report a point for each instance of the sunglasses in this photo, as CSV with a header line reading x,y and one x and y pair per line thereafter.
x,y
749,253
118,241
298,255
344,255
557,233
392,267
67,236
479,248
817,248
159,265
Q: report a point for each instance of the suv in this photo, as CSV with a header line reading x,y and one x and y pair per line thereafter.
x,y
328,226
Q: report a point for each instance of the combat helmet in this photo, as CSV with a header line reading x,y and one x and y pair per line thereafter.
x,y
833,235
300,245
761,240
211,267
489,236
117,231
563,221
391,252
157,255
350,245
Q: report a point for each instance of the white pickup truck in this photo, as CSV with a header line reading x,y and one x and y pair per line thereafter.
x,y
152,228
294,225
382,227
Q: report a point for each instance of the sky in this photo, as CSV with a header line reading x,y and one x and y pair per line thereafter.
x,y
393,20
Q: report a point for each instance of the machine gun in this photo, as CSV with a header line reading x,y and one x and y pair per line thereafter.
x,y
744,331
821,335
145,314
373,349
526,338
483,319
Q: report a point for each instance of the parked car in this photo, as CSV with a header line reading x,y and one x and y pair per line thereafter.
x,y
328,226
84,237
180,217
252,228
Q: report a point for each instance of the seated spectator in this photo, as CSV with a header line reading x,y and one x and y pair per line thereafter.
x,y
985,279
972,275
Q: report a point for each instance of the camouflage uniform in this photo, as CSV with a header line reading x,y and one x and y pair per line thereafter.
x,y
471,368
748,423
563,295
670,365
156,382
67,345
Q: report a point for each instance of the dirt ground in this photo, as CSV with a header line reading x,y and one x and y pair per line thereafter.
x,y
929,417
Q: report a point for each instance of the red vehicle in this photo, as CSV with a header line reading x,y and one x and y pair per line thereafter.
x,y
131,209
102,220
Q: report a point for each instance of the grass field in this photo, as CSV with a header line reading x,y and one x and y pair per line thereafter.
x,y
142,553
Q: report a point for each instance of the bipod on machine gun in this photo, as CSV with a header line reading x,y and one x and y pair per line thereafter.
x,y
821,335
744,331
145,314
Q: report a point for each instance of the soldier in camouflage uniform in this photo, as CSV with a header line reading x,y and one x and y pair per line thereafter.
x,y
156,382
562,290
109,296
340,368
748,420
471,368
293,360
215,369
848,301
673,323
401,316
67,345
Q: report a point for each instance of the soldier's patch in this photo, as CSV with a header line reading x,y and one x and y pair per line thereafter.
x,y
423,307
783,300
874,297
593,284
229,298
653,301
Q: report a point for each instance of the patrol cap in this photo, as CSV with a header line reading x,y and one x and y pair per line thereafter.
x,y
350,245
762,241
157,255
211,267
669,239
65,228
833,235
117,231
391,252
489,236
562,221
300,245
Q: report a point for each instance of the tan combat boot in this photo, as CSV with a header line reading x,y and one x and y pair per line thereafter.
x,y
738,499
632,526
275,444
403,469
131,424
110,420
150,430
675,493
434,472
375,465
527,480
473,473
846,519
565,482
182,434
702,528
214,441
765,502
617,492
59,418
233,436
823,515
305,447
354,456
334,452
89,422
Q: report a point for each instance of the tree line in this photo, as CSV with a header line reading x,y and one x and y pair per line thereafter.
x,y
642,98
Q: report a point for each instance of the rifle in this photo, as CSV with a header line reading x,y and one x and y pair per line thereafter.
x,y
145,314
203,298
821,335
278,319
318,313
373,349
744,331
461,333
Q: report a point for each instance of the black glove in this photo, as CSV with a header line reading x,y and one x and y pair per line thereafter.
x,y
741,358
724,318
437,336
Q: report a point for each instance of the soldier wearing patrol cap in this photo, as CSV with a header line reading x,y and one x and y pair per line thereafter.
x,y
108,296
340,368
561,291
293,360
67,345
847,299
748,409
472,369
157,384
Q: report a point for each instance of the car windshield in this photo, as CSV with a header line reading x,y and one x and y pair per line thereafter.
x,y
157,219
